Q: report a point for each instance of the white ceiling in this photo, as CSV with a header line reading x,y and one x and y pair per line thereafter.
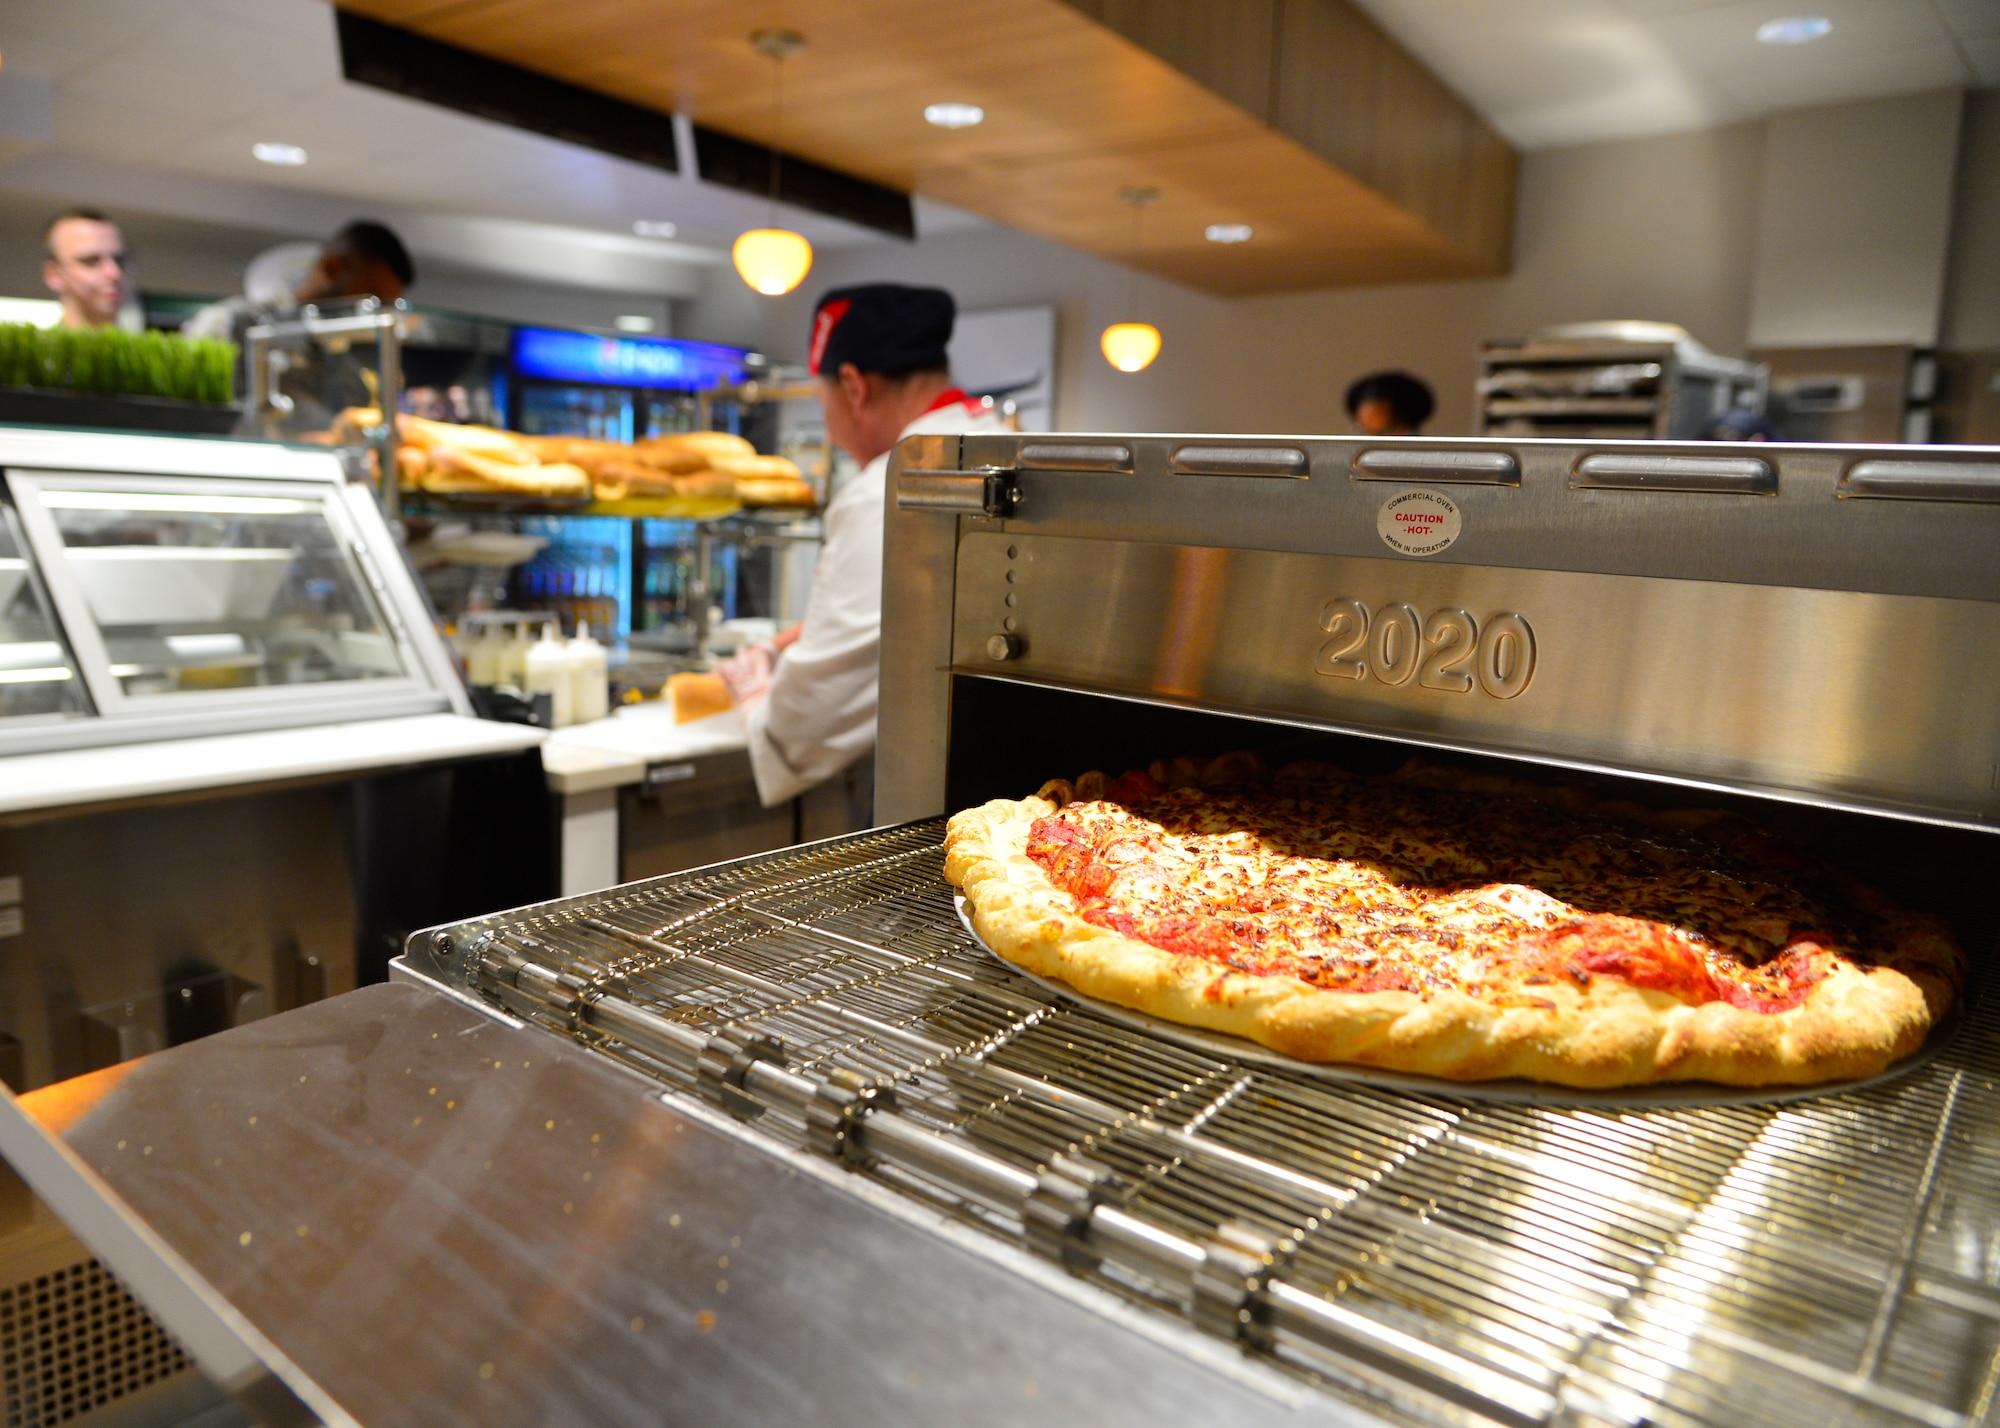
x,y
156,104
1555,72
153,105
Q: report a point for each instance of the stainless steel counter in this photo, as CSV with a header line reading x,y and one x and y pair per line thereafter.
x,y
439,1218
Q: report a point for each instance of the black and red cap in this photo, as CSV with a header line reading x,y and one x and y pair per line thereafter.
x,y
882,327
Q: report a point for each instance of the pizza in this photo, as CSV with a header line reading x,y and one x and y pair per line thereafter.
x,y
1452,924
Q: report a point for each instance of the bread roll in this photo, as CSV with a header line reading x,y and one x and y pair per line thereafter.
x,y
775,491
411,464
636,478
705,483
712,444
697,696
757,467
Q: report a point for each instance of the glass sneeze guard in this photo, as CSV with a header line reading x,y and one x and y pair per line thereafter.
x,y
187,597
38,674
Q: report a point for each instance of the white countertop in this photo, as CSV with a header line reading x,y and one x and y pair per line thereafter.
x,y
607,753
82,776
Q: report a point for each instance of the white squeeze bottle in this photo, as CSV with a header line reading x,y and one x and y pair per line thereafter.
x,y
549,673
482,657
591,672
512,662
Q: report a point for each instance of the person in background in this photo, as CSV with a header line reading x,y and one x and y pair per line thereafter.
x,y
808,697
87,267
1390,404
364,259
1741,424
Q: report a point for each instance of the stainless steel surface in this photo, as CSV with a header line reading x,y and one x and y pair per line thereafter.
x,y
1923,481
116,905
1453,467
1826,1261
232,1351
1840,393
435,1217
1213,458
1610,379
1679,678
1794,644
1740,475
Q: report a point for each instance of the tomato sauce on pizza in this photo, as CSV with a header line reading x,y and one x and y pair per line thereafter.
x,y
1388,887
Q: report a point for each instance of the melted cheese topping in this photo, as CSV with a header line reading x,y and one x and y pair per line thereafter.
x,y
1377,887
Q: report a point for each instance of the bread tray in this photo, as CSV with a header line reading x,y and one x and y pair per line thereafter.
x,y
1665,1095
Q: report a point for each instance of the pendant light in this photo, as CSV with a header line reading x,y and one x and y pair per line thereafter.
x,y
1132,346
774,260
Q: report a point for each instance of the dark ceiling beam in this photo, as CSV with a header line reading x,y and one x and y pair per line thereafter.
x,y
417,67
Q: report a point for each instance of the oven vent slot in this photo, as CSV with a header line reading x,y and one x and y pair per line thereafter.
x,y
1923,481
1075,456
1471,468
1205,460
1738,475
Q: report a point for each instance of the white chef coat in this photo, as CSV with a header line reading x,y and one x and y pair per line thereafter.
x,y
820,714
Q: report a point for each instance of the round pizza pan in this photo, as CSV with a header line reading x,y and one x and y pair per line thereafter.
x,y
1663,1095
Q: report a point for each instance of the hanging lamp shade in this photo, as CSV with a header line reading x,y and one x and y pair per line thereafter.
x,y
772,260
1131,346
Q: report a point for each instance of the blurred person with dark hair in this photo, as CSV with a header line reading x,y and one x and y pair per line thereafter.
x,y
364,259
1390,404
1740,424
87,267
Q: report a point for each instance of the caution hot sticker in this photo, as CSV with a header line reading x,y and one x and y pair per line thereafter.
x,y
1418,522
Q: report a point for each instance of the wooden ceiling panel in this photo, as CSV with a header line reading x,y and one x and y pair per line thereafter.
x,y
1075,112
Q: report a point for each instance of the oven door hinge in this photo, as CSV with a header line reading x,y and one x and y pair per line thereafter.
x,y
991,491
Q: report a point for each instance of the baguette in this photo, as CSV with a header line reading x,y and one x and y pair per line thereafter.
x,y
484,441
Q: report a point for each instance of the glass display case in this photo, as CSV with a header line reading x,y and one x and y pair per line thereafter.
x,y
199,587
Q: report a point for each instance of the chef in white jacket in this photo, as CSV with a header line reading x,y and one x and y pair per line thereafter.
x,y
879,367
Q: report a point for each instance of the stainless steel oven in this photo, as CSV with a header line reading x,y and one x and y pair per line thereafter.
x,y
915,1184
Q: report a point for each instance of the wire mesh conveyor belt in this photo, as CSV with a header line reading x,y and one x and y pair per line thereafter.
x,y
1828,1261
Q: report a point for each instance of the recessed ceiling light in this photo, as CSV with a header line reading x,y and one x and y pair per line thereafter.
x,y
954,116
1794,29
1227,233
633,322
655,228
290,155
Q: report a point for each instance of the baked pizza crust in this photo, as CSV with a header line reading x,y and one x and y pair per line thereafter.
x,y
1855,1022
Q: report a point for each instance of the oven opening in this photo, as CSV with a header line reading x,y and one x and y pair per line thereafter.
x,y
1009,737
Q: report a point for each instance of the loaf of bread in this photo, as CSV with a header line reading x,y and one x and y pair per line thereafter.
x,y
697,696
